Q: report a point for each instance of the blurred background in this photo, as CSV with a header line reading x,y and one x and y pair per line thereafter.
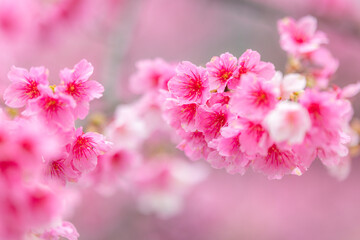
x,y
114,34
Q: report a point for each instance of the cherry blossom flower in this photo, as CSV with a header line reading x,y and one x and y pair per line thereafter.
x,y
86,148
76,83
250,63
181,115
211,120
64,230
191,84
60,170
221,70
254,98
289,122
278,162
194,145
300,37
56,109
151,75
289,84
25,85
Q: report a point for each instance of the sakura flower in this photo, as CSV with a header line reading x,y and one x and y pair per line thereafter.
x,y
221,70
254,138
60,170
76,83
322,67
250,63
232,164
85,149
151,75
181,115
300,37
65,230
350,90
323,108
289,84
278,162
229,154
211,120
254,98
191,84
328,115
25,85
289,122
194,145
56,109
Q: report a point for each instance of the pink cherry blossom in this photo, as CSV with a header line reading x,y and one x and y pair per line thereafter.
x,y
56,109
60,170
151,75
232,164
254,98
194,145
254,138
323,66
278,162
191,84
76,83
323,109
221,70
229,154
181,115
289,122
289,84
300,37
250,63
211,120
65,230
85,149
25,85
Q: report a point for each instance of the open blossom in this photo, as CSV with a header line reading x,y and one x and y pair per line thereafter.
x,y
65,230
76,84
289,84
254,98
328,116
250,63
25,85
229,154
300,37
181,115
86,148
56,109
191,84
211,120
277,162
151,75
289,122
194,145
323,66
60,170
221,70
324,109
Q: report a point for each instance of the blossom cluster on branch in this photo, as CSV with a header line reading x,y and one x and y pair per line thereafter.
x,y
41,150
238,113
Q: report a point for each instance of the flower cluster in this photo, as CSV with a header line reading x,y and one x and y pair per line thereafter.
x,y
307,54
238,112
41,150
